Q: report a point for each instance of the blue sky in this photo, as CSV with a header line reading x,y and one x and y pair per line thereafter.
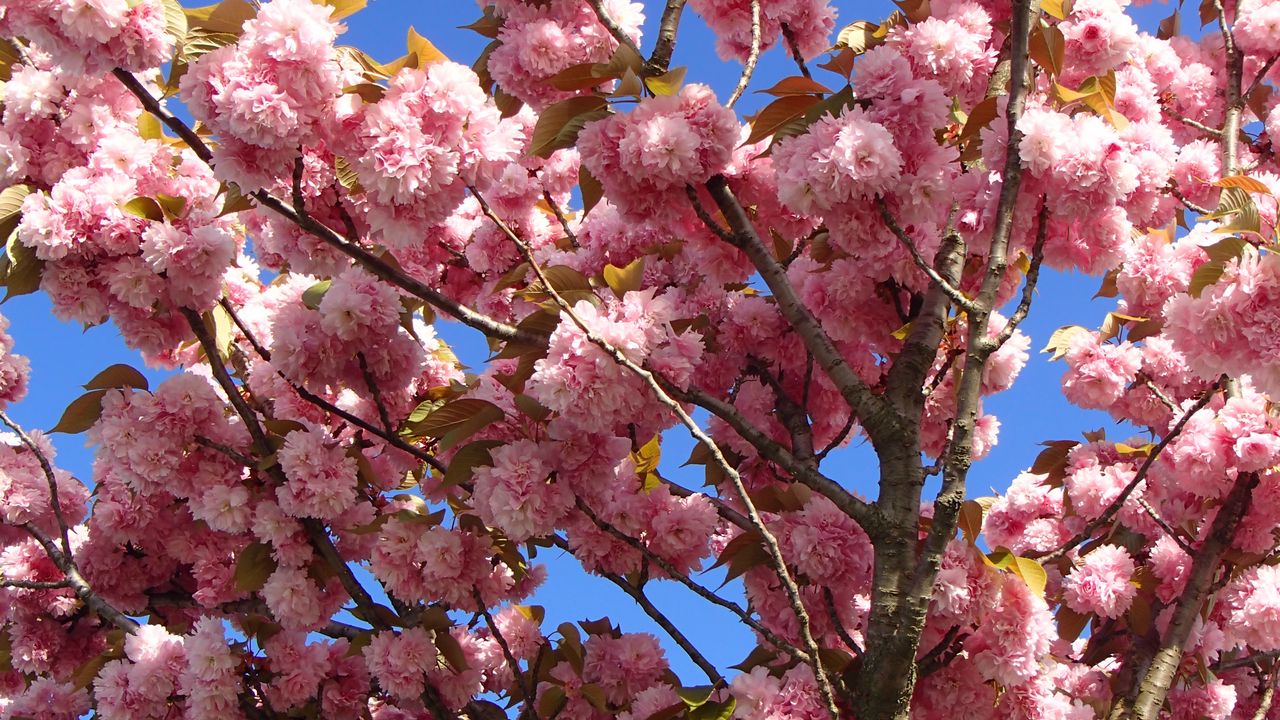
x,y
64,356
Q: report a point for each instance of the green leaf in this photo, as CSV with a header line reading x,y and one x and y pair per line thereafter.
x,y
118,376
1060,341
696,696
1031,572
23,269
312,296
456,420
779,113
227,16
144,207
797,85
667,83
81,414
558,126
970,520
175,20
11,208
233,201
859,37
451,650
715,710
345,8
427,52
592,190
254,566
469,457
623,280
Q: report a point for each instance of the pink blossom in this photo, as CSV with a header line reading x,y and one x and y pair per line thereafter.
x,y
1100,584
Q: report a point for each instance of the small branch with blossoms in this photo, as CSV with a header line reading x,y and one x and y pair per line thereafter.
x,y
771,543
1114,507
50,477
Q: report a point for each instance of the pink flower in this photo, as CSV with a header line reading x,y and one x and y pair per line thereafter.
x,y
1100,583
322,476
400,661
839,160
647,157
516,493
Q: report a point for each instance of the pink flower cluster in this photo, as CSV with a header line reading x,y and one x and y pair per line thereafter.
x,y
645,158
839,160
14,369
809,23
418,149
1230,327
93,37
517,493
577,373
1101,583
273,90
539,40
1257,27
321,473
140,685
1098,374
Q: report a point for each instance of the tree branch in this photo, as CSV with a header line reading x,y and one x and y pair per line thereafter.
x,y
1138,477
958,298
47,468
771,543
879,419
78,584
753,57
660,60
665,623
612,26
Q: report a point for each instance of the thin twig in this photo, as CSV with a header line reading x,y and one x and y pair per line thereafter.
x,y
753,57
377,394
1177,194
612,26
706,218
794,47
1141,475
47,468
559,213
77,582
953,293
697,589
1211,131
525,685
230,452
374,264
35,584
374,614
830,600
1032,278
665,623
1166,527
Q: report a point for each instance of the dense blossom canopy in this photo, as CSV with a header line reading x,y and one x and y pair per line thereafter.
x,y
322,513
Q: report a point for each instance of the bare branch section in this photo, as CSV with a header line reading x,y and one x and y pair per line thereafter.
x,y
753,56
953,293
665,46
1153,688
602,14
682,578
669,627
771,543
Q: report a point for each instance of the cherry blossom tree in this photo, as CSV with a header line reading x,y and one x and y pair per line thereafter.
x,y
321,513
